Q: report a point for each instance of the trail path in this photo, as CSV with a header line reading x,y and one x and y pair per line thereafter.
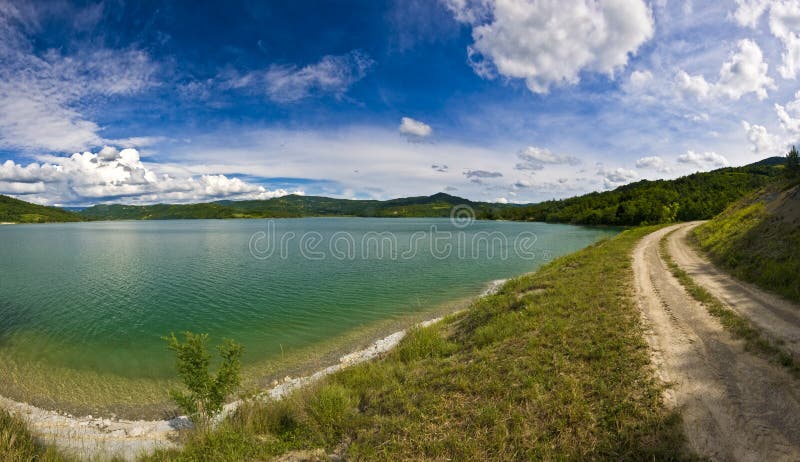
x,y
776,317
735,405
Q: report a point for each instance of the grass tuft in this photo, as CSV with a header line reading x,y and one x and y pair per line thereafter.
x,y
17,444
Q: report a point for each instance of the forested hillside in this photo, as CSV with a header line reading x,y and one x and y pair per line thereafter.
x,y
693,197
437,205
17,211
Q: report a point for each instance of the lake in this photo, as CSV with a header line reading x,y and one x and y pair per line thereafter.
x,y
83,306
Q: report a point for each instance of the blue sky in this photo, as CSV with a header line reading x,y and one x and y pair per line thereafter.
x,y
499,100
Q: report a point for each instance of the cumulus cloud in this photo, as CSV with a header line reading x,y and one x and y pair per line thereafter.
x,y
114,175
414,129
654,163
762,143
533,158
703,160
333,74
694,86
745,72
616,177
550,43
789,116
784,16
501,200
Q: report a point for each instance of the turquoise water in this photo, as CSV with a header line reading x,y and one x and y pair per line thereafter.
x,y
98,296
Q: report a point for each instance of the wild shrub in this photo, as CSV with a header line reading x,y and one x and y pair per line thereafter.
x,y
206,393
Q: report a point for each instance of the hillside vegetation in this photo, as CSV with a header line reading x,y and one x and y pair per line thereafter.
x,y
758,239
437,205
17,211
539,371
698,196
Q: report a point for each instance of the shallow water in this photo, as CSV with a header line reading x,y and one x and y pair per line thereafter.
x,y
97,297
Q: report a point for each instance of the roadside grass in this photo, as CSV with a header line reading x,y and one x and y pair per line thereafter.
x,y
732,321
18,445
552,367
758,240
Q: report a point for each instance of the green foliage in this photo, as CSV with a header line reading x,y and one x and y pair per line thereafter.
x,y
17,211
206,394
539,371
793,164
693,197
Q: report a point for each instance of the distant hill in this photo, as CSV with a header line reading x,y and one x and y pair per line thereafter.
x,y
692,197
757,239
696,196
437,205
17,211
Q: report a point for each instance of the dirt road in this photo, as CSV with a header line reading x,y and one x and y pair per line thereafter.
x,y
735,405
776,317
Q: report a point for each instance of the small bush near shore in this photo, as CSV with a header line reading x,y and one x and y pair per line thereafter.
x,y
206,393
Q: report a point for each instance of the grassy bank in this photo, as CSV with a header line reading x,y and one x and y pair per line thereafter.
x,y
758,239
553,367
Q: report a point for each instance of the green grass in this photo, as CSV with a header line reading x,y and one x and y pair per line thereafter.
x,y
18,445
757,241
552,367
739,326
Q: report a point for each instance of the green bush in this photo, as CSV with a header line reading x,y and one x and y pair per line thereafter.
x,y
206,393
793,164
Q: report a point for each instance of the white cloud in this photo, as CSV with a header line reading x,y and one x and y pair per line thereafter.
x,y
640,79
784,16
113,175
654,163
744,72
789,116
550,43
761,142
414,128
501,200
748,12
694,86
533,158
616,177
703,160
333,74
783,21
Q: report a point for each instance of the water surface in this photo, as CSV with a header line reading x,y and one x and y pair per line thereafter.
x,y
97,297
